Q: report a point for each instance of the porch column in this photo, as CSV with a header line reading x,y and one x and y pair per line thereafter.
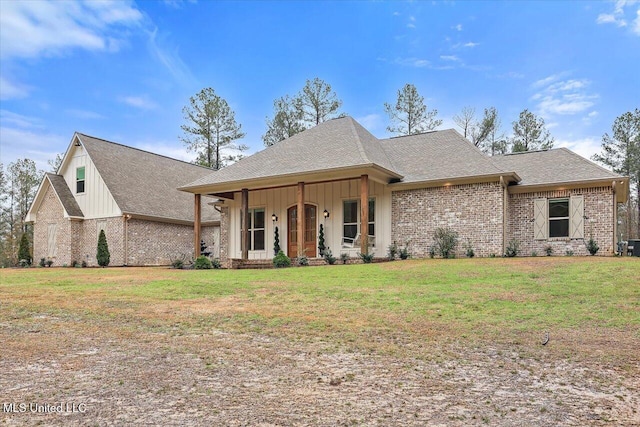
x,y
245,223
300,219
196,225
364,214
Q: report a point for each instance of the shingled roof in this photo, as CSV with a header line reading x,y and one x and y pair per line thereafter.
x,y
335,144
438,155
64,194
558,165
144,183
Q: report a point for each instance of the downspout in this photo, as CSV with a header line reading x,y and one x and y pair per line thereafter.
x,y
126,219
505,212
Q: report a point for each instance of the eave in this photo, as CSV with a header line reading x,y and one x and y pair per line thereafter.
x,y
462,180
620,186
374,171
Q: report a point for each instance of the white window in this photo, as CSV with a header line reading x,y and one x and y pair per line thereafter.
x,y
351,221
256,229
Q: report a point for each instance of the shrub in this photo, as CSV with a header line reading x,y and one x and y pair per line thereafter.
x,y
432,252
366,258
49,263
178,262
392,251
202,263
321,246
548,250
446,241
24,253
328,257
592,246
568,252
534,253
75,263
469,249
303,261
103,255
281,260
344,258
42,262
404,253
492,255
513,248
216,264
84,264
23,263
276,240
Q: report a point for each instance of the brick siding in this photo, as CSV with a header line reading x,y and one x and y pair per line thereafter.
x,y
598,208
475,211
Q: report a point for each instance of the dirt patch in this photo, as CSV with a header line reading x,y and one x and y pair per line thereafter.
x,y
128,373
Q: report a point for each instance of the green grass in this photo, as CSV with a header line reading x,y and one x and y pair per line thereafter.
x,y
500,298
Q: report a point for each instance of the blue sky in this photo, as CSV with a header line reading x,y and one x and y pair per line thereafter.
x,y
123,71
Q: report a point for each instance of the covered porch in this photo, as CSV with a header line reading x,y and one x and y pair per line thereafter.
x,y
352,214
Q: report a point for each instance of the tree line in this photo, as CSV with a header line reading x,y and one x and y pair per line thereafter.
x,y
211,128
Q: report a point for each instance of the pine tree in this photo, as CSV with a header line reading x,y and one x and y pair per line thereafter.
x,y
24,253
103,255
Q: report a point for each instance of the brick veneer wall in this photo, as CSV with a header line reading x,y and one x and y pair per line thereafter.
x,y
598,208
85,240
224,237
157,243
51,211
475,211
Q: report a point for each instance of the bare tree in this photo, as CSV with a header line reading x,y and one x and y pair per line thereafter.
x,y
466,120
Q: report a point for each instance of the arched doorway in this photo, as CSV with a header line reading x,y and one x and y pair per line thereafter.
x,y
310,232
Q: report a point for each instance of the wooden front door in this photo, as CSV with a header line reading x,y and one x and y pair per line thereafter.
x,y
310,232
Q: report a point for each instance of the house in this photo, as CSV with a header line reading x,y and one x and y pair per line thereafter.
x,y
368,193
129,193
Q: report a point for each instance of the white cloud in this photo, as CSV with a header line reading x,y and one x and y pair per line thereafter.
x,y
170,58
410,25
11,90
618,16
141,102
412,62
84,114
166,148
562,97
372,122
32,29
38,145
450,58
593,114
586,147
457,27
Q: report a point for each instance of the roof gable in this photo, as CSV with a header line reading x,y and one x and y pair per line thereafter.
x,y
62,192
144,183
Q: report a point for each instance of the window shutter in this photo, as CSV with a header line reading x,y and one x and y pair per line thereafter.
x,y
51,243
576,217
540,219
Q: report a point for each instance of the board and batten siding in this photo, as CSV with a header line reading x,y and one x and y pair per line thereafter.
x,y
96,201
327,196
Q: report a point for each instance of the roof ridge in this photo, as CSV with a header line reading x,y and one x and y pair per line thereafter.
x,y
144,151
361,149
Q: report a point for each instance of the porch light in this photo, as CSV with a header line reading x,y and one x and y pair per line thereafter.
x,y
325,213
274,218
77,144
